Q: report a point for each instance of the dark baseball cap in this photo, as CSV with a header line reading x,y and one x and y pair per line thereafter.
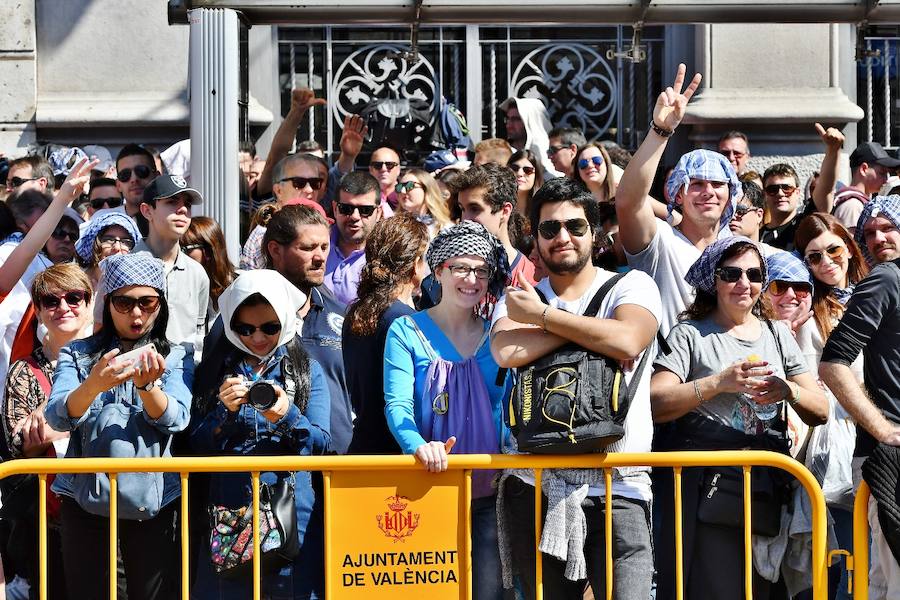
x,y
874,154
166,186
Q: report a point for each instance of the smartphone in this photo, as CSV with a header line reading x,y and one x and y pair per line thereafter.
x,y
137,356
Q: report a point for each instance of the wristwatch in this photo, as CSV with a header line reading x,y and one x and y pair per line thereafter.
x,y
150,385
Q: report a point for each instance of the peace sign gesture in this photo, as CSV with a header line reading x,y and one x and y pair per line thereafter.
x,y
672,102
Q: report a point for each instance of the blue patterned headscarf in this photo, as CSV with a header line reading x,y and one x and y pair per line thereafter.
x,y
787,266
702,274
707,166
85,245
139,268
879,206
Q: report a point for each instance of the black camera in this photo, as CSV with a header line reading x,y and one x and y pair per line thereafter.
x,y
261,394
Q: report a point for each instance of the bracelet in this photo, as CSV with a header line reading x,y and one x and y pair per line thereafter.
x,y
544,318
697,393
146,388
795,393
660,131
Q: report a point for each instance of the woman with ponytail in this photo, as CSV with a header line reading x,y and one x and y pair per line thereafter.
x,y
395,266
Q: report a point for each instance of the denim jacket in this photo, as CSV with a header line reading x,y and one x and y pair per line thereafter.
x,y
116,425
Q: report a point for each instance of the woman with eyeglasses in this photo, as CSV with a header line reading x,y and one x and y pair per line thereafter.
x,y
205,243
593,167
529,178
261,394
62,295
721,380
122,393
441,389
419,195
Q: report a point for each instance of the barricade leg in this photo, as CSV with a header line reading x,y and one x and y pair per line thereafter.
x,y
257,590
748,539
607,480
42,536
185,540
679,539
538,559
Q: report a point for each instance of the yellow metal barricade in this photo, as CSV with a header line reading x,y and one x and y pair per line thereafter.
x,y
375,469
861,543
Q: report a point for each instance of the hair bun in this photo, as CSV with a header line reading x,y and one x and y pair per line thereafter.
x,y
379,273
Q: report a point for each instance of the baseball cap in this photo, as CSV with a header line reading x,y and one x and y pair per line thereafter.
x,y
166,186
102,154
309,204
439,160
872,153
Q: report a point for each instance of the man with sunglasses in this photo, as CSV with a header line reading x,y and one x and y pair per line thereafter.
x,y
525,327
783,194
135,169
735,146
104,194
564,143
30,173
385,167
870,166
356,211
167,204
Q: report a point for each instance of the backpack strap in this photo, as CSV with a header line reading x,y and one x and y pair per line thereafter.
x,y
39,374
432,355
594,307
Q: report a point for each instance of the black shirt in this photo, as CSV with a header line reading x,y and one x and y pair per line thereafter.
x,y
364,366
783,236
871,324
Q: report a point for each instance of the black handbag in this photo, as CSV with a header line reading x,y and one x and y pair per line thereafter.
x,y
231,532
722,499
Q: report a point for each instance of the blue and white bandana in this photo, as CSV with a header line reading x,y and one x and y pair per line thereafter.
x,y
85,245
702,274
787,267
879,206
707,166
139,268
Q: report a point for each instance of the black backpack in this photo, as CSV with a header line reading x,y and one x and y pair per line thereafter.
x,y
572,400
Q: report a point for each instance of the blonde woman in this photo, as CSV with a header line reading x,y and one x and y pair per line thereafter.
x,y
419,195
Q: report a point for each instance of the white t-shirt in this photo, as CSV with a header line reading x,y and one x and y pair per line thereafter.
x,y
639,289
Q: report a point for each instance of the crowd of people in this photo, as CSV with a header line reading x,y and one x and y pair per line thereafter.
x,y
401,308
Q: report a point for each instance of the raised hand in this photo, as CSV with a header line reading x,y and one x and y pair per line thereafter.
x,y
353,136
672,102
78,177
304,98
832,137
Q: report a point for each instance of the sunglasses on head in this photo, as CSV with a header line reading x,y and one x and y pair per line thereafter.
x,y
788,189
407,186
71,298
550,229
813,259
126,304
378,164
15,182
365,211
779,288
111,202
246,330
733,274
584,163
300,183
141,171
525,169
111,240
64,234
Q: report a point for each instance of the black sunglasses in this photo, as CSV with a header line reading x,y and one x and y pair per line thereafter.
x,y
142,172
740,210
377,164
15,182
300,182
406,187
191,247
126,304
733,274
552,150
111,202
63,234
346,209
526,170
72,298
550,229
245,329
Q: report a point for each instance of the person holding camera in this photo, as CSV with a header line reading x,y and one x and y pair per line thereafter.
x,y
260,393
122,393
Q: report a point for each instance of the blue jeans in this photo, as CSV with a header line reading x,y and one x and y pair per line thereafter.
x,y
487,582
632,548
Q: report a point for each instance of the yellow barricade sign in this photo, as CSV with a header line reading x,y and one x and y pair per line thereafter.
x,y
397,533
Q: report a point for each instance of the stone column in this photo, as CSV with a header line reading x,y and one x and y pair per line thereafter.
x,y
18,81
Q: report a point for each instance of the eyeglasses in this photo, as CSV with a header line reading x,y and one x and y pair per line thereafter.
x,y
365,211
835,252
788,189
552,150
191,247
111,202
378,164
741,210
64,234
735,153
733,274
246,330
14,182
71,298
111,240
141,171
126,304
780,288
584,163
525,169
551,229
300,182
407,186
462,271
